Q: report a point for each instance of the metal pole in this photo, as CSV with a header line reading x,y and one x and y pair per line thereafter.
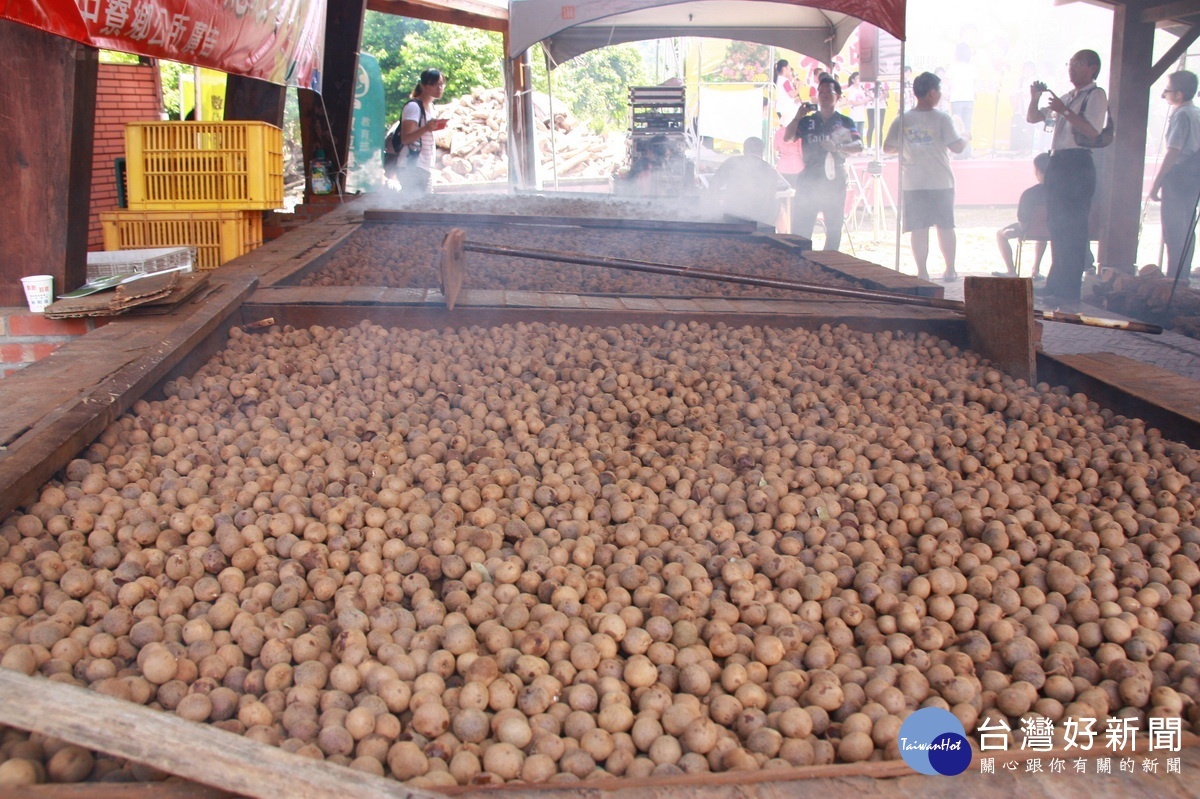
x,y
198,100
553,127
900,160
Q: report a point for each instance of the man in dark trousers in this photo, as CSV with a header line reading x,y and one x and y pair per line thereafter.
x,y
827,137
1071,175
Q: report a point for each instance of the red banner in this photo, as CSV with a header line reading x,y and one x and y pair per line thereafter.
x,y
281,41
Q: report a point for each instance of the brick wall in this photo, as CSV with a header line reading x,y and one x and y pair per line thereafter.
x,y
27,337
124,93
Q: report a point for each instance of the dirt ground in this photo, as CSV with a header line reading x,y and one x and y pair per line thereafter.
x,y
976,233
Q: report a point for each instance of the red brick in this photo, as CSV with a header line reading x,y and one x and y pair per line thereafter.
x,y
12,353
38,325
41,350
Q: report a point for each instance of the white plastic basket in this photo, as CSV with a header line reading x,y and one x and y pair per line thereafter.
x,y
134,262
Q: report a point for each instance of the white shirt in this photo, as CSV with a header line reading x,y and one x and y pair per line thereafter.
x,y
1096,112
425,159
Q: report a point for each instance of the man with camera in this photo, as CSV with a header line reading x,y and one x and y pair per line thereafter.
x,y
1079,119
827,138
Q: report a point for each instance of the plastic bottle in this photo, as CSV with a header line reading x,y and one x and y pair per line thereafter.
x,y
319,174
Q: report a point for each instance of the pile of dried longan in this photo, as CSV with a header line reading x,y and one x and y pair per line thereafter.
x,y
406,256
540,552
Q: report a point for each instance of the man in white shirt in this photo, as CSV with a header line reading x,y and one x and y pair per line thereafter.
x,y
1071,176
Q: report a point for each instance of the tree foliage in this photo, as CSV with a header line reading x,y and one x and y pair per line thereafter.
x,y
595,85
405,47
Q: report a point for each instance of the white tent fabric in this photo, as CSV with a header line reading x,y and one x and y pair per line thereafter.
x,y
567,31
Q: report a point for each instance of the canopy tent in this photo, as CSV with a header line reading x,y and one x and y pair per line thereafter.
x,y
818,28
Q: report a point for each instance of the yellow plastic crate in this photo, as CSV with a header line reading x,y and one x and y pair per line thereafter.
x,y
201,166
218,236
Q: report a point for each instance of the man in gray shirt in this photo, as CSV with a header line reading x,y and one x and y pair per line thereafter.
x,y
1178,181
928,181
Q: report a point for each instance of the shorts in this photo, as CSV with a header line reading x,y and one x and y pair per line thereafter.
x,y
926,208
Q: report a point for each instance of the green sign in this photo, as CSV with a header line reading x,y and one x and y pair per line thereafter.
x,y
368,129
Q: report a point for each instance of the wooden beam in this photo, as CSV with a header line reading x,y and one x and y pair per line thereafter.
x,y
1167,11
1000,323
84,77
198,752
326,118
1120,167
453,12
50,104
1176,50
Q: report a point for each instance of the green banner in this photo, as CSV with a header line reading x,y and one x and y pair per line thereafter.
x,y
368,129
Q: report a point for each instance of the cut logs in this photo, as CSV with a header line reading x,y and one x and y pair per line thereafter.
x,y
473,147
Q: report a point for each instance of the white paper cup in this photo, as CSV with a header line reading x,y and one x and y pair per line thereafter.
x,y
39,291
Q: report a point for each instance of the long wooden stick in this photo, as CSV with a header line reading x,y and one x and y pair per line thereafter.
x,y
198,752
454,246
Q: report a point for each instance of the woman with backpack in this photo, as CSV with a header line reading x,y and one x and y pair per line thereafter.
x,y
409,148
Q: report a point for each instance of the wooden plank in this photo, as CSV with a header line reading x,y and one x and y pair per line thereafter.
x,y
1000,323
872,275
198,752
1166,11
893,779
1131,388
167,789
1143,381
610,311
55,407
454,12
461,219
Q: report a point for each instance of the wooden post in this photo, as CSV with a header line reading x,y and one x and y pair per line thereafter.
x,y
1000,323
198,752
326,118
50,99
1124,162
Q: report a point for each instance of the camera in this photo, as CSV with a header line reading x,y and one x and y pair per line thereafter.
x,y
1039,86
808,108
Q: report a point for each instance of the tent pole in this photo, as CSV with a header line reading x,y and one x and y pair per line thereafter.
x,y
900,161
553,138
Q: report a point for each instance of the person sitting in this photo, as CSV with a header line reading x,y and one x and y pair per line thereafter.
x,y
748,187
1030,224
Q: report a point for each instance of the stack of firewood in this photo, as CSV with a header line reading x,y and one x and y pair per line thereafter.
x,y
473,147
1148,295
